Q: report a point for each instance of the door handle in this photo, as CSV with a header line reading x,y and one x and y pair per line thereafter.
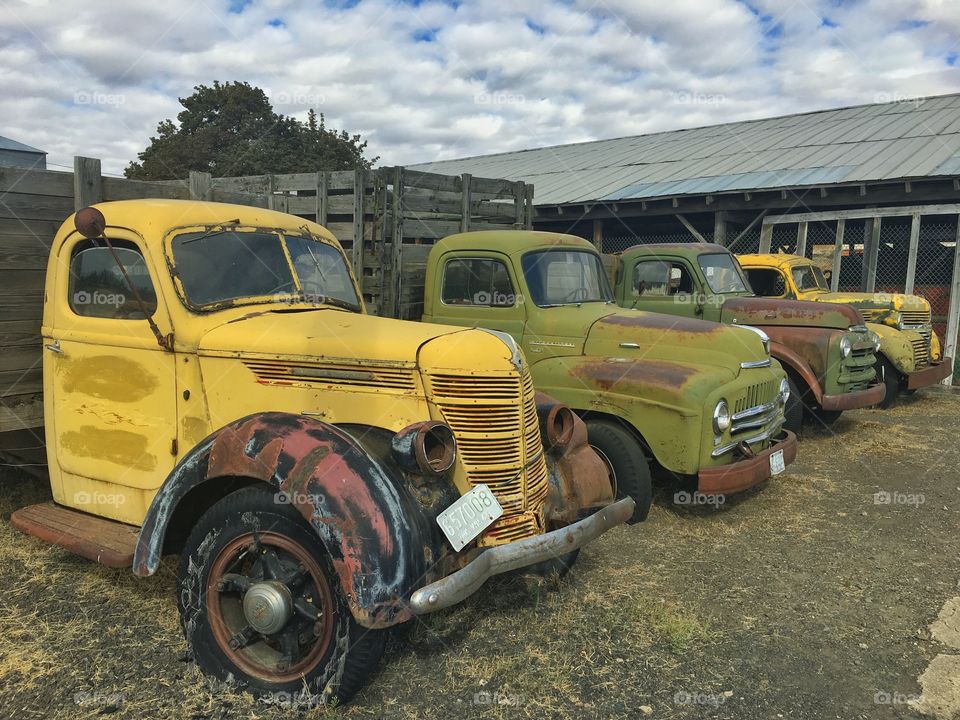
x,y
54,347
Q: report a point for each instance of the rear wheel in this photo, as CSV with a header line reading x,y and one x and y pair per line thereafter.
x,y
891,382
261,604
626,464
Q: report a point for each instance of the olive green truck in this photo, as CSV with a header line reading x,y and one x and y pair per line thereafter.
x,y
660,395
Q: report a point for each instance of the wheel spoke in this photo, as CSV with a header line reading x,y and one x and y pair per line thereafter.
x,y
231,582
243,638
308,611
271,565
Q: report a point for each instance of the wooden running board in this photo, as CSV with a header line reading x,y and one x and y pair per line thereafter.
x,y
107,542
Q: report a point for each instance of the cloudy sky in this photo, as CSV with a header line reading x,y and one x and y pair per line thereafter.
x,y
436,80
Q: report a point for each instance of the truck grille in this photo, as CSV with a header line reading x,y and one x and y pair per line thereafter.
x,y
873,314
758,394
857,371
757,417
332,375
495,422
921,352
916,317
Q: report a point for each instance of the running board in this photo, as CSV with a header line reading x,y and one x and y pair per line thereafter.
x,y
107,542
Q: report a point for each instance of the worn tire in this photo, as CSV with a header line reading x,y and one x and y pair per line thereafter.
x,y
625,459
793,411
337,664
891,382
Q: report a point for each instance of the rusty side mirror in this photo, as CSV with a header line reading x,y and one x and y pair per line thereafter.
x,y
90,222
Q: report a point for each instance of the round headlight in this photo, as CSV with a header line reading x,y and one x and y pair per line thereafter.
x,y
784,391
846,347
875,339
899,319
427,447
721,417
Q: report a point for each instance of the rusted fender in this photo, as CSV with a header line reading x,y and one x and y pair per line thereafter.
x,y
339,488
577,476
774,311
793,360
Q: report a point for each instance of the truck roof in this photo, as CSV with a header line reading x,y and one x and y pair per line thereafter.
x,y
697,247
772,259
511,242
152,217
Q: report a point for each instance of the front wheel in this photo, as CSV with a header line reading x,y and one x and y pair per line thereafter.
x,y
261,604
793,410
626,464
891,383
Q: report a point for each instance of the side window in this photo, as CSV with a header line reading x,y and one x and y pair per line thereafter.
x,y
97,287
477,281
767,282
656,278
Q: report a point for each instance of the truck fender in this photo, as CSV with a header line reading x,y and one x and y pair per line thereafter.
x,y
341,490
800,367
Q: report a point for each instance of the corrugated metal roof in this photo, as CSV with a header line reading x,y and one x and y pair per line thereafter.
x,y
866,143
8,144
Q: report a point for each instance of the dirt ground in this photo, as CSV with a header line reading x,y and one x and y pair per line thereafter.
x,y
804,599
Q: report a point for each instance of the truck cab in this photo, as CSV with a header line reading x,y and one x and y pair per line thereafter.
x,y
909,356
660,395
827,352
213,386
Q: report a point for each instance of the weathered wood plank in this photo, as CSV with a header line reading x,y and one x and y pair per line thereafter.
x,y
432,181
21,411
87,184
37,182
35,207
122,189
19,332
23,252
21,382
20,359
18,283
26,307
43,230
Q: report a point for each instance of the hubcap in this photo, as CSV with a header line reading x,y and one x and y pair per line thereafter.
x,y
268,606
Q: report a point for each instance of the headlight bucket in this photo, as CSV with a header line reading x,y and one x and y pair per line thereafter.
x,y
557,425
721,417
427,447
784,393
846,347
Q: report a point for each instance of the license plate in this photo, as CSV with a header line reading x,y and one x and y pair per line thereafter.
x,y
469,516
777,465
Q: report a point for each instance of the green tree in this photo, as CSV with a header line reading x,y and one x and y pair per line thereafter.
x,y
232,129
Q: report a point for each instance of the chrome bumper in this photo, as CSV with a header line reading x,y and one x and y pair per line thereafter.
x,y
462,584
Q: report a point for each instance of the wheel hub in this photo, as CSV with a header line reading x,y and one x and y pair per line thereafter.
x,y
268,606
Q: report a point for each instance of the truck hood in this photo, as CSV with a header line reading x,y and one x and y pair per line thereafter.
x,y
336,336
670,338
895,302
769,311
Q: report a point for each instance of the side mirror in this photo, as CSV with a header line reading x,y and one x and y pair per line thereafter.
x,y
90,222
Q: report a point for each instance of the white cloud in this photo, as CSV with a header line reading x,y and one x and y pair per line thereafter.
x,y
435,80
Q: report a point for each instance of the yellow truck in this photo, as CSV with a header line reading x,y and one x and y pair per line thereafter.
x,y
213,387
909,357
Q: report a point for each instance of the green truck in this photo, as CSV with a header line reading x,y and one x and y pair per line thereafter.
x,y
826,350
660,395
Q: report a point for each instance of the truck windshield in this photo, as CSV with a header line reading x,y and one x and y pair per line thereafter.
x,y
253,267
565,277
722,273
809,277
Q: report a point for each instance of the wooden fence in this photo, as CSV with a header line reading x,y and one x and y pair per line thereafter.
x,y
386,219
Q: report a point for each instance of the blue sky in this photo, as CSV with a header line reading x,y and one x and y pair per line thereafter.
x,y
426,80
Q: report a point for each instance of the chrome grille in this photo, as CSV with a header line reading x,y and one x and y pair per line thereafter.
x,y
281,372
916,317
758,394
494,419
757,417
873,314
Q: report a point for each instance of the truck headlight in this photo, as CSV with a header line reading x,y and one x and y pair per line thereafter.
x,y
899,320
875,339
427,447
784,391
846,347
721,417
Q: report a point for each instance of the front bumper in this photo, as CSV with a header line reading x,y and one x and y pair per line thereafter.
x,y
460,585
930,375
748,472
855,399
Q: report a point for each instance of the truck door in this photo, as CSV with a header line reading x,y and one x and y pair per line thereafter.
x,y
111,389
661,285
478,291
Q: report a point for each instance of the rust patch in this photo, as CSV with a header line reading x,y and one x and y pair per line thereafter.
x,y
760,311
607,375
98,377
659,321
121,447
